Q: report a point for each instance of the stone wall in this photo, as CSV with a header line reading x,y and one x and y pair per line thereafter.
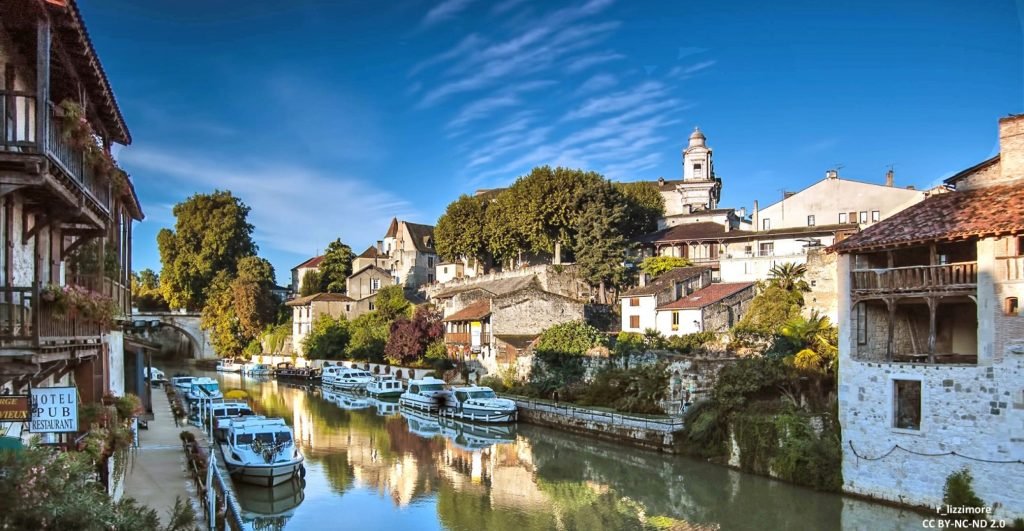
x,y
821,276
560,279
531,311
722,315
652,433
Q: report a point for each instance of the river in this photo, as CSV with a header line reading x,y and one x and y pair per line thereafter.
x,y
374,468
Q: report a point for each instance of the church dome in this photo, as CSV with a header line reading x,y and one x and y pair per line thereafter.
x,y
697,137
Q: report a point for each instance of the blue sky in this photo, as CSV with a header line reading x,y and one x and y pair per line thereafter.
x,y
328,118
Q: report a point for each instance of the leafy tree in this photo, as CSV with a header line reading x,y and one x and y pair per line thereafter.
x,y
772,308
275,338
789,276
391,304
327,339
146,293
656,265
255,305
461,231
310,283
369,337
336,267
409,338
219,317
572,338
644,206
600,246
210,235
815,338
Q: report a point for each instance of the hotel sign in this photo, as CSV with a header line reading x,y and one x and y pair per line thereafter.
x,y
14,408
54,410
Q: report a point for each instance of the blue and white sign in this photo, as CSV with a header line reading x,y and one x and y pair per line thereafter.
x,y
54,410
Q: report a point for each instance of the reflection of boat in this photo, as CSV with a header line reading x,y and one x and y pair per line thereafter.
x,y
471,436
478,404
346,400
427,394
228,365
385,407
345,378
261,451
425,426
385,387
269,508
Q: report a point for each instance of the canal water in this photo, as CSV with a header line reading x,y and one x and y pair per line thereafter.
x,y
376,468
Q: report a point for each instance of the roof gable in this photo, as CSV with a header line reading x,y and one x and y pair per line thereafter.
x,y
312,262
707,296
665,281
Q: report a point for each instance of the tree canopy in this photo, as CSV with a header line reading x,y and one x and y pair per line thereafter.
x,y
239,308
409,337
336,267
572,338
460,231
146,293
327,339
211,233
656,265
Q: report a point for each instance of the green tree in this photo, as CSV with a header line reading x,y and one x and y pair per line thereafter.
x,y
772,308
391,304
600,245
310,283
146,293
461,231
369,337
656,265
219,318
644,205
211,233
335,267
255,305
789,276
573,338
327,339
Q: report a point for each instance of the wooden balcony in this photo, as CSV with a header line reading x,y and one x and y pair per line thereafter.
x,y
1010,268
464,338
27,322
20,136
956,278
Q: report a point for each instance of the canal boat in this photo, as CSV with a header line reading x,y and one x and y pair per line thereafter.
x,y
472,436
228,365
422,425
154,376
203,389
262,452
346,378
427,394
478,404
258,369
286,371
221,414
386,386
182,384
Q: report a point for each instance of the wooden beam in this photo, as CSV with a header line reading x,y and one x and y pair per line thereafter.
x,y
932,307
42,81
891,303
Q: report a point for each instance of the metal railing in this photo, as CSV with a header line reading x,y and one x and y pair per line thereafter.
x,y
960,275
72,160
661,424
226,507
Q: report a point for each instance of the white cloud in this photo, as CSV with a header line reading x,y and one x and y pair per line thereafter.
x,y
295,209
686,71
484,107
444,11
597,83
582,63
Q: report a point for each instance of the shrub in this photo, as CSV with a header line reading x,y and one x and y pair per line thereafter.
x,y
959,492
690,343
636,390
706,430
494,382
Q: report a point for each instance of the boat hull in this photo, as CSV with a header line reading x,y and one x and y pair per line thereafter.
x,y
392,393
265,475
347,386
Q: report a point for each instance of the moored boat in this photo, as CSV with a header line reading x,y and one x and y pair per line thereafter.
x,y
182,384
258,369
478,404
286,371
385,387
261,451
221,414
346,378
203,388
427,394
228,365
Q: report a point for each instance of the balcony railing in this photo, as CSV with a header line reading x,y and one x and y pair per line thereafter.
x,y
24,322
18,134
1011,267
464,338
119,293
961,276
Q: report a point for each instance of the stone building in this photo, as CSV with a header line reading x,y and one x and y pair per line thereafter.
x,y
411,255
931,344
639,306
65,216
305,310
362,288
299,272
684,301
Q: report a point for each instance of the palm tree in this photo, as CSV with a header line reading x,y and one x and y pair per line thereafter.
x,y
814,333
789,276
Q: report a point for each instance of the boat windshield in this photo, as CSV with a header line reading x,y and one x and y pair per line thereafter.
x,y
245,438
265,437
482,394
209,388
283,437
432,387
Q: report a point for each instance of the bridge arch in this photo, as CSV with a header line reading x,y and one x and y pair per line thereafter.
x,y
187,324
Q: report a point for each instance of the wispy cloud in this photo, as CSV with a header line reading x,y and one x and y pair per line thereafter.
x,y
583,63
688,70
295,209
484,107
444,11
597,83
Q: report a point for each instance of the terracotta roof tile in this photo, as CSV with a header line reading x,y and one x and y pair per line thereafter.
x,y
707,296
371,252
665,280
312,262
474,312
982,212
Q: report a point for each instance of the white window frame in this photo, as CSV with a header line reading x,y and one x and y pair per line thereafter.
x,y
891,395
842,218
810,220
766,224
876,215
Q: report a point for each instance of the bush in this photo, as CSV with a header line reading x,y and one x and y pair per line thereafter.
x,y
690,343
706,430
959,492
494,383
636,390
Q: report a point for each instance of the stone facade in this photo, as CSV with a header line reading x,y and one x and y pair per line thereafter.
x,y
821,278
561,279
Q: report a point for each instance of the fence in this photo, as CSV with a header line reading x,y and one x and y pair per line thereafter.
x,y
617,420
229,513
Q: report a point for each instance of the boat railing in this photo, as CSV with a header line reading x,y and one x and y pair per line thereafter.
x,y
665,425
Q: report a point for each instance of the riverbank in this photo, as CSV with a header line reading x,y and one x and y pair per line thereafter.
x,y
651,432
158,475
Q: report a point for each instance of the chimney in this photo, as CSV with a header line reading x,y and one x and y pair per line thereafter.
x,y
661,181
742,212
757,222
1011,148
643,279
380,246
832,174
890,178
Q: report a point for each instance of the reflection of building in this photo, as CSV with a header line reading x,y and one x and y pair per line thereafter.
x,y
932,340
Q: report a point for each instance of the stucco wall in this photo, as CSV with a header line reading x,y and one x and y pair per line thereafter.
x,y
646,310
115,361
689,322
827,198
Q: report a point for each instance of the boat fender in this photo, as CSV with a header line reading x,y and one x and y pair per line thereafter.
x,y
302,471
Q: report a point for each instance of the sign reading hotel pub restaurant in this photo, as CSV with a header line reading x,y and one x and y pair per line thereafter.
x,y
54,410
14,408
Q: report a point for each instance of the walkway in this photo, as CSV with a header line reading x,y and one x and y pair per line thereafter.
x,y
158,474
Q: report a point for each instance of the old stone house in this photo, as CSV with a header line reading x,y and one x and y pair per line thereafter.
x,y
411,255
55,204
931,343
362,287
639,306
715,308
306,310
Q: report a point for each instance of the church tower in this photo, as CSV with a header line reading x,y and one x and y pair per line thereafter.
x,y
700,188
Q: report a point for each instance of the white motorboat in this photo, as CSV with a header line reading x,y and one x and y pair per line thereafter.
x,y
478,404
385,387
157,376
182,384
222,413
427,394
258,369
345,378
228,365
203,389
262,451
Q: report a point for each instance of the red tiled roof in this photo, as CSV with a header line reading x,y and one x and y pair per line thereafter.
x,y
983,212
707,296
474,312
312,262
665,280
319,297
371,252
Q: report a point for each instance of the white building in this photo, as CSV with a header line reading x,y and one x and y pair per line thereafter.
x,y
639,306
931,342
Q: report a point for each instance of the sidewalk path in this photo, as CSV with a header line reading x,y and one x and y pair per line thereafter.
x,y
158,474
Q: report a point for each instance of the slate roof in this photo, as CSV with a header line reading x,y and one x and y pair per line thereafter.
x,y
312,262
664,281
392,229
476,311
422,237
496,287
979,213
319,297
371,252
707,296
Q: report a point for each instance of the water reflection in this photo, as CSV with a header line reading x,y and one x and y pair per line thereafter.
x,y
270,508
412,471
